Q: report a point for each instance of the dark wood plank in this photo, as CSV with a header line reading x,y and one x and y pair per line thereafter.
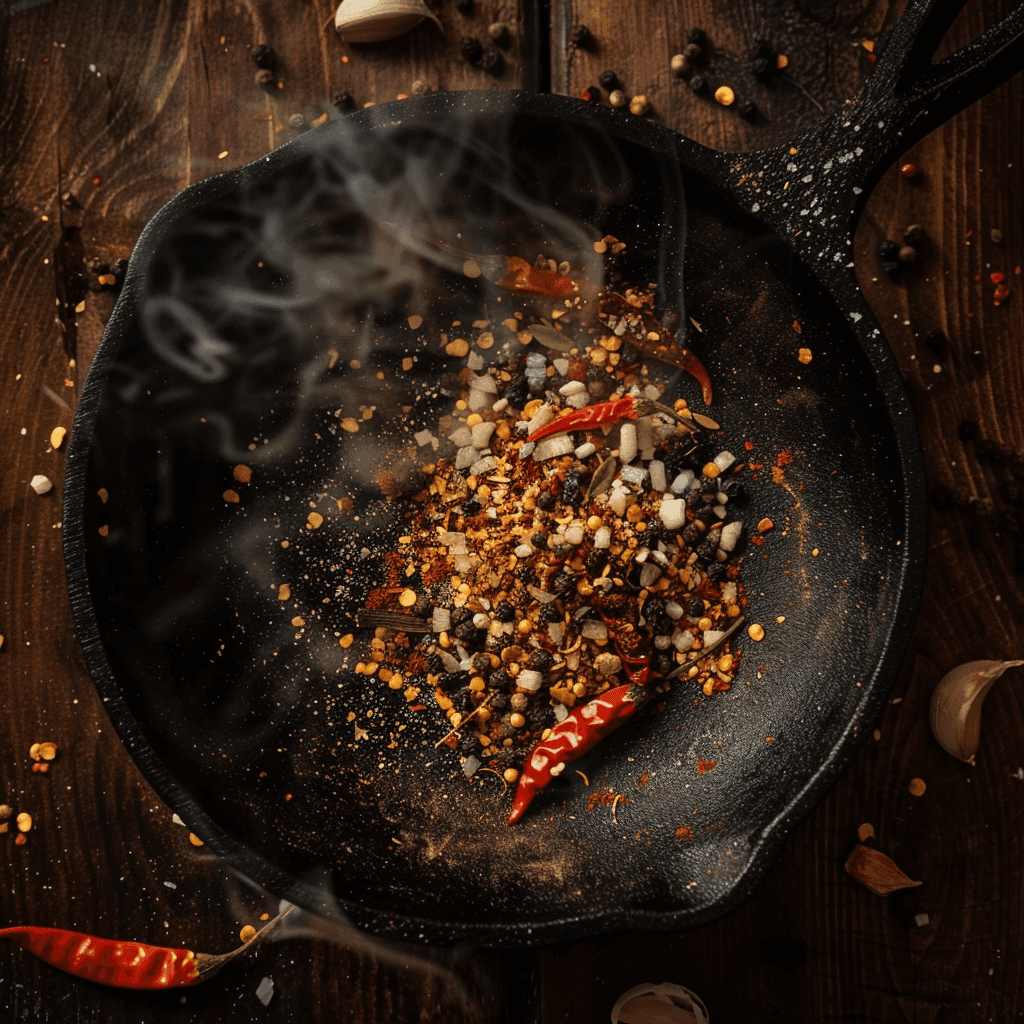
x,y
171,88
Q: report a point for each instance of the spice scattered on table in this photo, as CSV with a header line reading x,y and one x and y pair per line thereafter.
x,y
917,787
41,484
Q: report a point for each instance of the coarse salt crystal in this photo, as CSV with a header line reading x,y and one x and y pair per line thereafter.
x,y
461,436
265,991
730,535
573,387
441,620
553,448
585,450
602,537
594,629
635,475
672,513
41,484
627,442
574,534
541,418
481,434
683,482
682,640
529,679
712,636
466,457
422,437
523,551
659,481
723,460
648,574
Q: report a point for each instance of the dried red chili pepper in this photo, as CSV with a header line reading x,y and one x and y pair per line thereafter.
x,y
135,965
600,414
571,738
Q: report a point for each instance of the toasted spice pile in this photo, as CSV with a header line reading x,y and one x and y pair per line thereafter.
x,y
547,560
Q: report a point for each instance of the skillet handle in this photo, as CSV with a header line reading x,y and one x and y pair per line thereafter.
x,y
812,190
918,95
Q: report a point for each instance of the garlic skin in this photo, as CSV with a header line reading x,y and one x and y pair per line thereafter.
x,y
955,711
374,21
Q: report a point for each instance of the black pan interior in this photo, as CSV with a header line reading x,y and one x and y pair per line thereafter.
x,y
241,705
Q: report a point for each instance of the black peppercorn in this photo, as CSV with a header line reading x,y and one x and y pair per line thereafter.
x,y
608,80
344,102
762,48
693,52
716,570
892,268
761,67
697,82
491,61
504,612
914,235
471,50
747,110
888,250
464,6
968,430
696,608
698,36
546,501
265,78
263,56
580,36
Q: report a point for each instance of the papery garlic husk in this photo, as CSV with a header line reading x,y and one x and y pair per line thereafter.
x,y
665,1002
373,21
955,711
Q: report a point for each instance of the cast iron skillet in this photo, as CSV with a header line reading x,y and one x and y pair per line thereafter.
x,y
235,697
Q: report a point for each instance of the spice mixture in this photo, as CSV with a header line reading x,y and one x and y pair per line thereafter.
x,y
567,549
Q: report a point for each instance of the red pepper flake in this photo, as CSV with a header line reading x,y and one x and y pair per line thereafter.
x,y
704,766
683,833
1001,294
996,276
603,799
417,707
96,181
909,170
644,778
785,457
748,446
797,327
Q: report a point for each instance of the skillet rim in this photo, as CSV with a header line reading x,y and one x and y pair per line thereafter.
x,y
764,852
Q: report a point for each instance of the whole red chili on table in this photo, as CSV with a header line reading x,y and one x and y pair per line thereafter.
x,y
135,965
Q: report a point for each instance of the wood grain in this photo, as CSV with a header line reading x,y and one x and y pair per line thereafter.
x,y
120,106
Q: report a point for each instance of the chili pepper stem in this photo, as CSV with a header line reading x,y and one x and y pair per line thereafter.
x,y
210,963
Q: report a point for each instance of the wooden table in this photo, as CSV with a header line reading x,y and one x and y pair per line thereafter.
x,y
110,109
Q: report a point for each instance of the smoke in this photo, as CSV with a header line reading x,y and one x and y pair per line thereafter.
x,y
292,332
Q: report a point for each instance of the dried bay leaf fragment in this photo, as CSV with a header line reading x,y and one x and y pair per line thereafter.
x,y
877,872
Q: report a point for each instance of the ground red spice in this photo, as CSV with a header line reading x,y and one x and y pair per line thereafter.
x,y
704,766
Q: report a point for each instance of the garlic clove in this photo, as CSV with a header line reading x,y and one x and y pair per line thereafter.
x,y
373,21
955,711
671,1004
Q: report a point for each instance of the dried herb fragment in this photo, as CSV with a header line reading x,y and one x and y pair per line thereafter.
x,y
877,872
